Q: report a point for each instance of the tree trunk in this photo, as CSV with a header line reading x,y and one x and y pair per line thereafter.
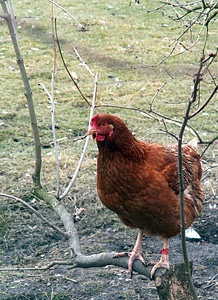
x,y
173,284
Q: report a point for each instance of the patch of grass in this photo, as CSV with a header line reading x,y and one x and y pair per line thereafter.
x,y
59,296
120,43
116,40
5,225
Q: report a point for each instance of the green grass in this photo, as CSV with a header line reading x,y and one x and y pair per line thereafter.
x,y
121,43
117,39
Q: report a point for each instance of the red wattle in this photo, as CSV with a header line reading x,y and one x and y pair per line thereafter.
x,y
100,137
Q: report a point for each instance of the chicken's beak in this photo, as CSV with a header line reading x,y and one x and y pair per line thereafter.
x,y
92,131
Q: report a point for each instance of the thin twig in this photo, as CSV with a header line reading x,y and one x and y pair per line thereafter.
x,y
66,68
45,89
46,267
155,95
66,235
53,22
209,144
84,64
86,142
175,43
204,104
214,277
202,13
153,115
181,183
69,14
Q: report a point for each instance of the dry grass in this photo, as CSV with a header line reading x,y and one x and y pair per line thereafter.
x,y
115,41
117,38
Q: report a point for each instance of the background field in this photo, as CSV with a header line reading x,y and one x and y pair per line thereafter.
x,y
121,43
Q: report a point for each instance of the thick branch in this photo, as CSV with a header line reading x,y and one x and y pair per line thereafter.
x,y
107,258
65,216
91,261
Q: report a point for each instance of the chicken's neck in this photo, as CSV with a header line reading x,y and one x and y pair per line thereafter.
x,y
126,145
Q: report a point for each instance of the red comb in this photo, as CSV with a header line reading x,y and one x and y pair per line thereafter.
x,y
94,120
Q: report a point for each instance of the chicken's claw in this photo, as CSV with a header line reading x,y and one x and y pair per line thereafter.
x,y
157,265
132,257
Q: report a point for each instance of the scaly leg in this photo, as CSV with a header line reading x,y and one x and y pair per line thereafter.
x,y
164,260
136,253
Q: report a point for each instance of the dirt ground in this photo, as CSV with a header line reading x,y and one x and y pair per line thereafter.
x,y
28,243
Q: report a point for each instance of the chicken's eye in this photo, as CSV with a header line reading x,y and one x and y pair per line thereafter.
x,y
103,124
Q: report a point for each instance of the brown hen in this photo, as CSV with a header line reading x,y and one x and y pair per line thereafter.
x,y
139,182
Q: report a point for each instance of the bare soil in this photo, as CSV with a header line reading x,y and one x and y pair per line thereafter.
x,y
27,242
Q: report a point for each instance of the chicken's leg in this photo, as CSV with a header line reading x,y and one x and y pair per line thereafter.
x,y
164,260
136,253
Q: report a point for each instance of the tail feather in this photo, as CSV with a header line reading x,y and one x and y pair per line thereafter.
x,y
194,143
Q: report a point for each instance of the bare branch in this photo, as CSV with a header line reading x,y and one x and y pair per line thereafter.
x,y
209,144
46,267
192,16
84,64
211,18
66,235
86,142
10,8
28,95
180,175
45,89
155,95
64,10
65,216
151,114
66,68
204,104
53,22
107,258
92,261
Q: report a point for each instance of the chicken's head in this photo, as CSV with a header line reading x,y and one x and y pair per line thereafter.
x,y
100,127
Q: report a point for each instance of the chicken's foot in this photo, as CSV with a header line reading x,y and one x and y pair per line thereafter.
x,y
164,260
136,253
